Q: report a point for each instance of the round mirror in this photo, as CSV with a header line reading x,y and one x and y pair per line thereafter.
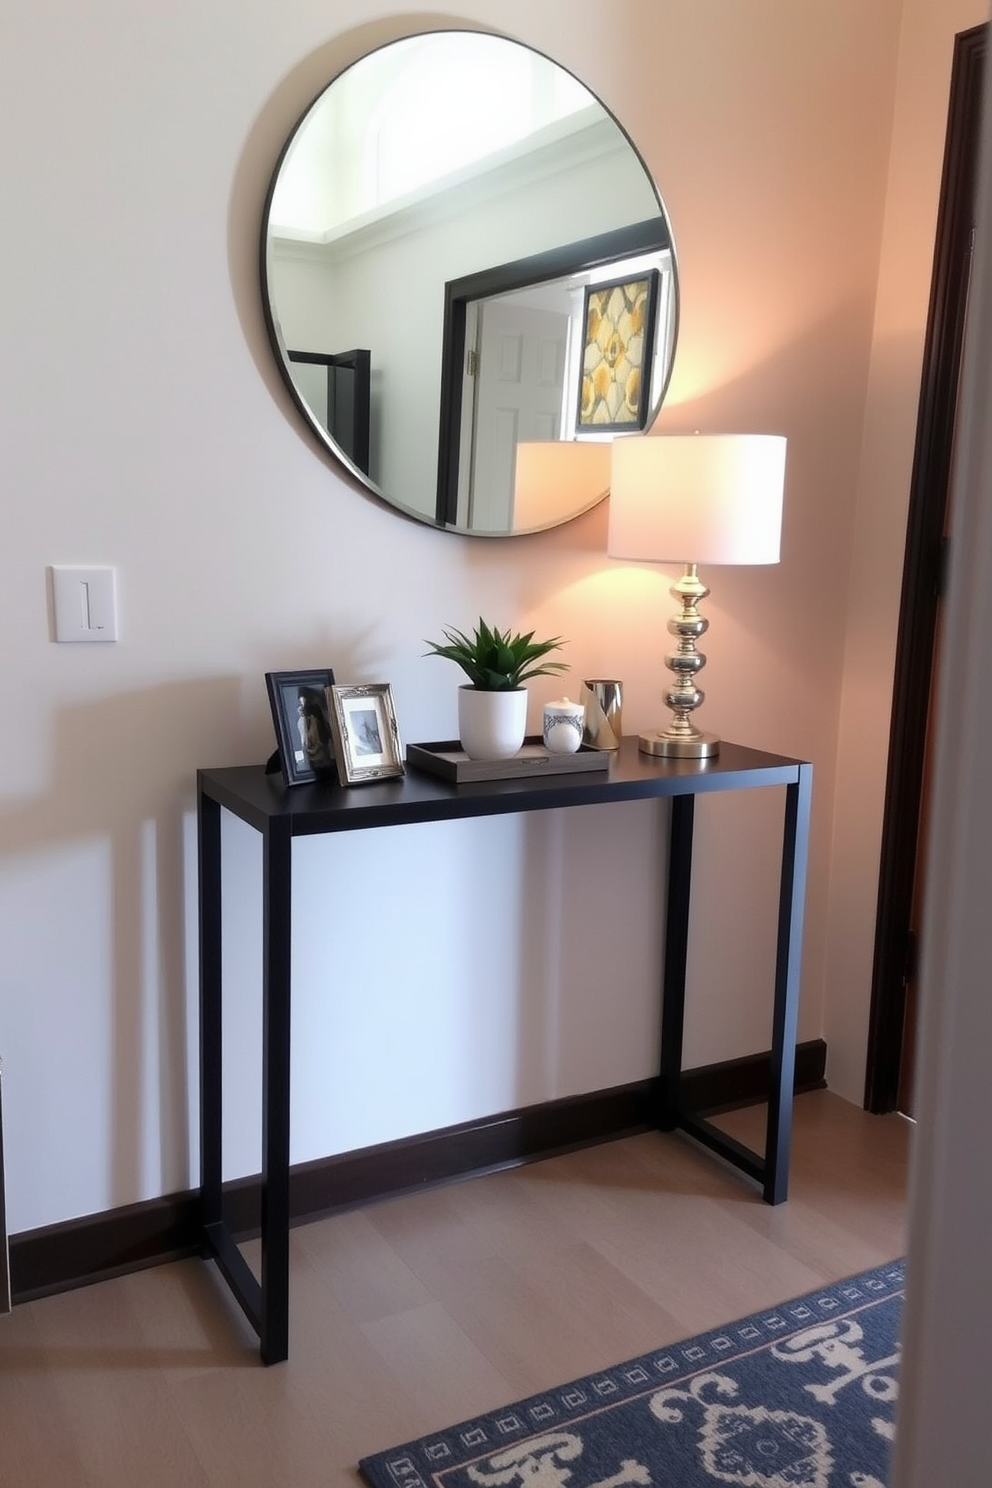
x,y
469,282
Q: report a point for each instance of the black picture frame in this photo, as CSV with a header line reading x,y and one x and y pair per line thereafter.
x,y
619,320
303,728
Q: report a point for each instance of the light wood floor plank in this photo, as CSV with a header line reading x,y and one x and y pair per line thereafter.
x,y
411,1314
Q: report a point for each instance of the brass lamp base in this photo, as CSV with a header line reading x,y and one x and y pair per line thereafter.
x,y
682,739
672,746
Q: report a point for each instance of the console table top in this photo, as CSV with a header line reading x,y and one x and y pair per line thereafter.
x,y
265,801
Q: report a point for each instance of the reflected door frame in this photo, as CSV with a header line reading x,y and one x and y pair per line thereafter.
x,y
645,237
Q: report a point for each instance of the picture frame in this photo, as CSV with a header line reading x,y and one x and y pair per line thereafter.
x,y
366,735
614,377
303,727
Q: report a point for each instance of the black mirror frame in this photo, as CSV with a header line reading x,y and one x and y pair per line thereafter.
x,y
646,236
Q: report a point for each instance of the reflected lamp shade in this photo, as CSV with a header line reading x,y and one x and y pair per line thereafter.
x,y
556,479
694,499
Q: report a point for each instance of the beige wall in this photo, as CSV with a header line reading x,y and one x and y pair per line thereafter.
x,y
145,426
871,596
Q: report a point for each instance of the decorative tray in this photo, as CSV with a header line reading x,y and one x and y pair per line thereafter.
x,y
449,760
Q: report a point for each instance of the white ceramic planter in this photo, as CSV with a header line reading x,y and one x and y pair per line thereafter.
x,y
491,725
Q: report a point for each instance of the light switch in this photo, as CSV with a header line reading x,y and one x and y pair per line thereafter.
x,y
85,603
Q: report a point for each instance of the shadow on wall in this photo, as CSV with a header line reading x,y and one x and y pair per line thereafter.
x,y
121,795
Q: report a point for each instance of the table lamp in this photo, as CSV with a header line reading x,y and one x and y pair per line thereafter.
x,y
696,499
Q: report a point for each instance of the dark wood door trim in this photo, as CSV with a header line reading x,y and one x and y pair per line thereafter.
x,y
922,569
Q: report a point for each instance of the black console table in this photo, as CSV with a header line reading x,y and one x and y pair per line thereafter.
x,y
280,814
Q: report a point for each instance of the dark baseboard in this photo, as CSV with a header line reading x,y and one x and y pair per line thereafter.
x,y
96,1247
744,1082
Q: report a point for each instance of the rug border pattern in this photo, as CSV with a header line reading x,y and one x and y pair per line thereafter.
x,y
423,1462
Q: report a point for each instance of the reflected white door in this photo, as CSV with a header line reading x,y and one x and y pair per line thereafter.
x,y
519,379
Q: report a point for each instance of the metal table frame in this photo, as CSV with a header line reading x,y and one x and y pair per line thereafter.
x,y
279,814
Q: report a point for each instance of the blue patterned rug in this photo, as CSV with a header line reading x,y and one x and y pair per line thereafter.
x,y
799,1396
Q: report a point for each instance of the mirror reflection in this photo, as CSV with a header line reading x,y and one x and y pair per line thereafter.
x,y
462,253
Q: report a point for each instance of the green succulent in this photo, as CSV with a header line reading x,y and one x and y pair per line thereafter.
x,y
496,661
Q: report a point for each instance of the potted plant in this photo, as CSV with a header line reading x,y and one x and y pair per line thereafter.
x,y
492,705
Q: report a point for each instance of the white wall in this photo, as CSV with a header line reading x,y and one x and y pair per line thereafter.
x,y
407,1016
144,425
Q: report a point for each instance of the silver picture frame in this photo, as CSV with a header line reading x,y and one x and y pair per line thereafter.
x,y
365,732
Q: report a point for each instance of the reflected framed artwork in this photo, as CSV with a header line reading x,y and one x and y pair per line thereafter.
x,y
366,736
303,727
615,376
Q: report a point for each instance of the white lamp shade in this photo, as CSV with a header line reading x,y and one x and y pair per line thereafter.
x,y
554,479
697,498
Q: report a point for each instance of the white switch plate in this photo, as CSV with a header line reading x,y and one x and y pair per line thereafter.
x,y
85,603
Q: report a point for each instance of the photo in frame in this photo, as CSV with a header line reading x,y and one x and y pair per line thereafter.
x,y
303,727
366,736
614,382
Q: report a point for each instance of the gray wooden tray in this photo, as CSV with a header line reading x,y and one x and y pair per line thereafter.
x,y
447,759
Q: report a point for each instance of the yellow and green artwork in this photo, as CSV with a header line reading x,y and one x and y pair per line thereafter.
x,y
615,389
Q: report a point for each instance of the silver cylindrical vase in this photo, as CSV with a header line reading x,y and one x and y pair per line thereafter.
x,y
603,700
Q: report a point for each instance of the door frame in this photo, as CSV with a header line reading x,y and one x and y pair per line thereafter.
x,y
923,571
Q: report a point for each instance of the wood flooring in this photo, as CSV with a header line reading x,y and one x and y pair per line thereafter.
x,y
414,1313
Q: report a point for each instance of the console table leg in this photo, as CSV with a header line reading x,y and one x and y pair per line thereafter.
x,y
208,851
676,956
787,974
276,932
